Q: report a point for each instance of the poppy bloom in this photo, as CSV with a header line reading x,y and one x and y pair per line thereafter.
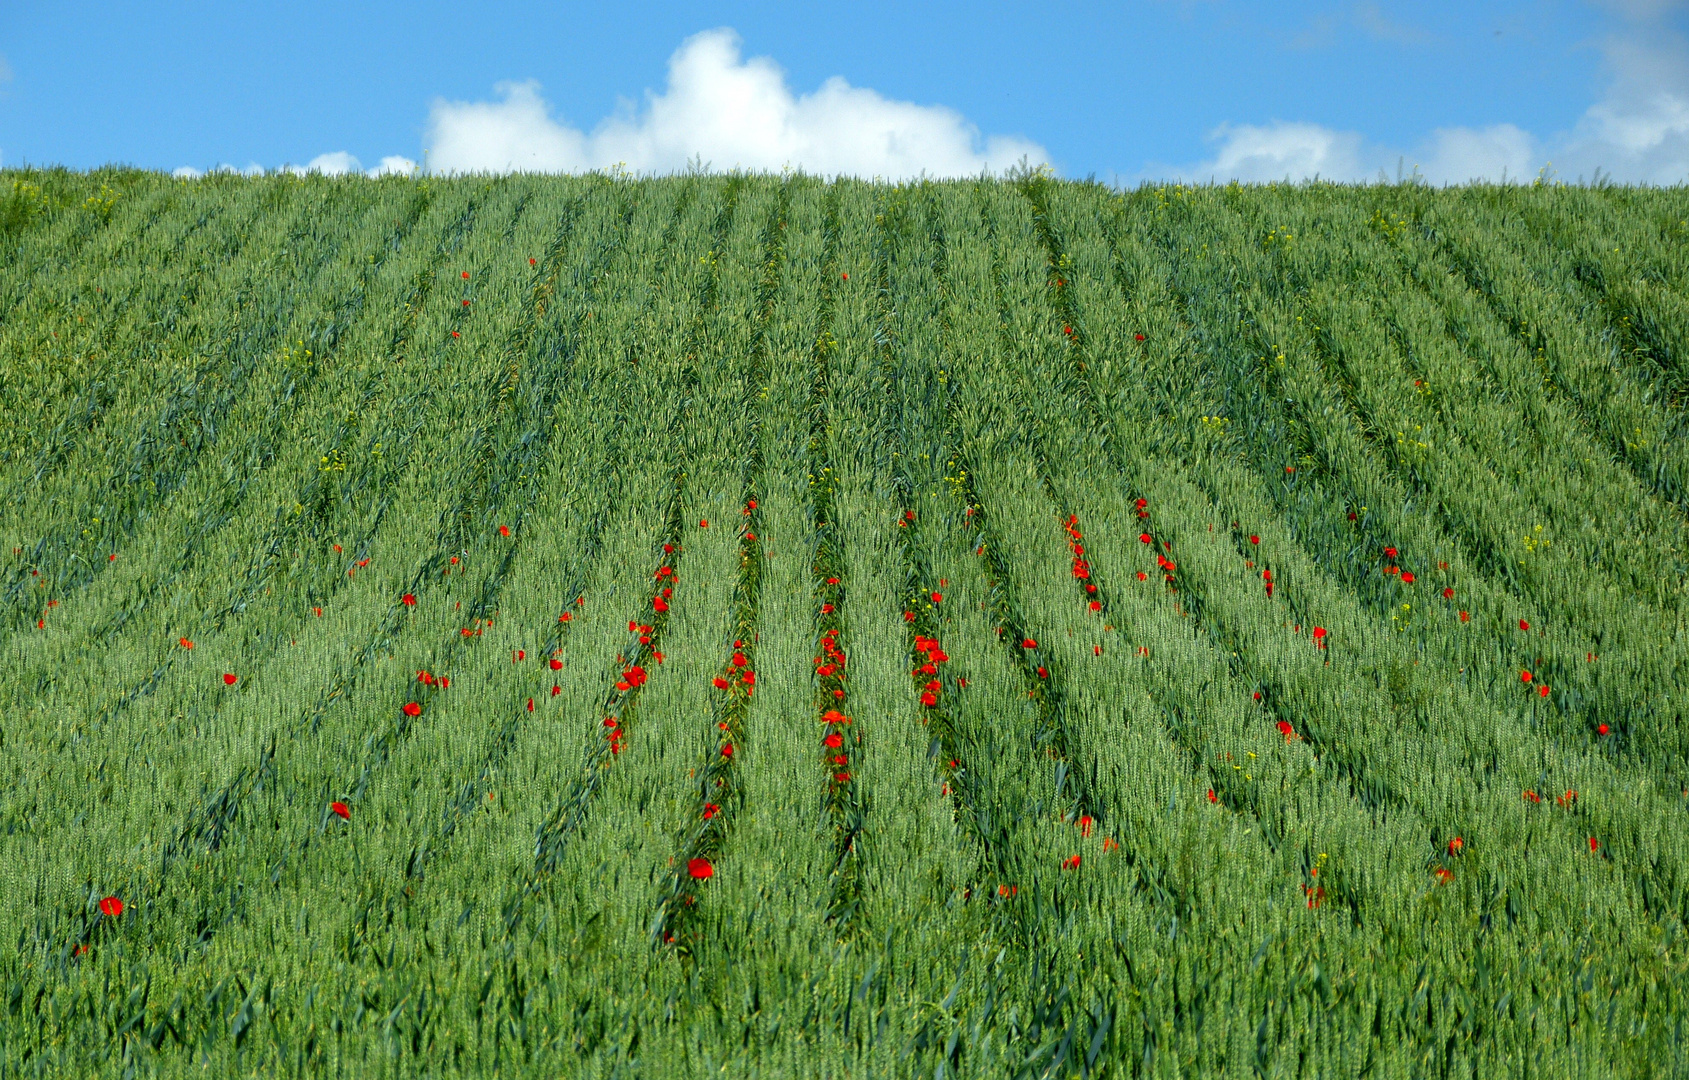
x,y
521,654
1319,633
937,598
1390,552
340,810
531,262
408,600
565,617
229,679
111,906
711,810
1443,875
1137,337
832,581
1523,625
845,276
1043,674
1142,576
1070,863
1407,579
1524,676
1096,605
1285,729
454,560
1594,844
412,709
466,275
704,524
700,868
834,740
1602,730
908,616
659,604
1257,695
1029,644
1145,538
1531,796
1456,845
555,690
1254,539
1212,797
556,664
929,699
1448,594
826,609
186,644
727,750
1085,823
1465,617
1543,690
454,333
504,530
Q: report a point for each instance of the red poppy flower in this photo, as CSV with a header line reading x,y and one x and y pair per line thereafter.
x,y
565,617
1456,845
521,654
1070,863
186,644
704,524
1465,617
1319,633
700,868
826,609
111,907
711,810
1043,674
834,740
454,333
1085,823
445,683
937,598
1285,729
659,604
832,581
229,679
1448,594
845,276
1523,625
112,557
466,275
1029,644
908,616
1407,579
1524,676
1594,844
555,690
1145,538
408,600
413,709
1142,576
340,810
1253,539
1096,605
727,750
1601,730
929,699
454,560
1543,690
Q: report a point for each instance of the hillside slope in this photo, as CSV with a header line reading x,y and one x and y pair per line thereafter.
x,y
757,626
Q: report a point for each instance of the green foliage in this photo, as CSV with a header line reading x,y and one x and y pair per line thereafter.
x,y
761,626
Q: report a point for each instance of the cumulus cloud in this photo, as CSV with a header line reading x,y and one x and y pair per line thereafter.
x,y
1637,131
340,163
728,113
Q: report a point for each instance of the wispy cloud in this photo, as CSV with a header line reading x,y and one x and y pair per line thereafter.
x,y
730,113
1637,131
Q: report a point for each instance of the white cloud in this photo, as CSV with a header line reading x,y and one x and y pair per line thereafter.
x,y
340,163
729,113
188,172
1637,131
393,165
1301,151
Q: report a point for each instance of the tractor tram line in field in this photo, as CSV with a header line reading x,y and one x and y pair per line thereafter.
x,y
621,708
288,525
1494,885
286,530
1463,533
719,784
1377,790
151,466
209,829
1664,878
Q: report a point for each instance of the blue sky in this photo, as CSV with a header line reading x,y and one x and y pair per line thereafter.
x,y
1160,88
